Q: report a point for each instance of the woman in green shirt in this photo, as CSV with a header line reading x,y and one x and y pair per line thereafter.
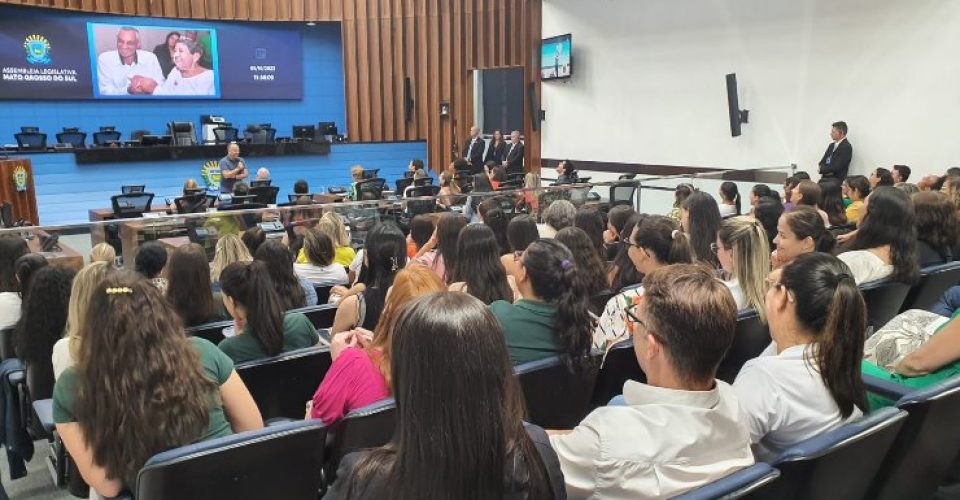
x,y
262,329
553,317
140,387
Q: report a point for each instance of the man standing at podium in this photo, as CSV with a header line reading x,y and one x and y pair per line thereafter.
x,y
836,160
232,169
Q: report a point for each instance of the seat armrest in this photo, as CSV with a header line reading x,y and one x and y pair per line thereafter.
x,y
18,377
886,388
44,410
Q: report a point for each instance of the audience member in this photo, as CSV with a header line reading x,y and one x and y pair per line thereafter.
x,y
356,176
831,202
320,270
414,165
810,193
478,270
481,184
798,232
150,260
252,238
421,229
360,373
103,252
497,150
332,225
189,289
591,222
566,173
613,236
229,249
768,211
294,292
680,194
384,255
700,218
906,187
11,249
440,252
42,323
558,215
930,182
301,187
729,199
885,244
591,270
496,174
66,350
681,331
553,317
261,328
449,191
788,186
433,454
417,174
951,187
938,228
880,177
521,232
744,256
24,269
758,192
241,189
656,242
181,380
263,175
807,382
858,188
900,174
622,273
497,221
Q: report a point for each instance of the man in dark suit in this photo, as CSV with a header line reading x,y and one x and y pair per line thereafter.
x,y
473,151
836,160
513,162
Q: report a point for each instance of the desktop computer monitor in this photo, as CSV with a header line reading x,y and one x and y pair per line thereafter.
x,y
327,128
304,132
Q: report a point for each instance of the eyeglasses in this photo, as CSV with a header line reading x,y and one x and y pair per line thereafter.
x,y
715,248
632,318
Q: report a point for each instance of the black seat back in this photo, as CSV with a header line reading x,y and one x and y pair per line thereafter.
x,y
837,465
599,301
556,397
402,184
265,195
281,385
619,365
6,343
320,316
884,299
622,194
225,134
933,282
281,461
323,293
73,138
362,428
371,173
371,189
417,207
31,140
209,331
132,205
105,137
191,204
750,339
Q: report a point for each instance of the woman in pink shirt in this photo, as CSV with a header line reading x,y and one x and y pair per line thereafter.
x,y
440,252
360,373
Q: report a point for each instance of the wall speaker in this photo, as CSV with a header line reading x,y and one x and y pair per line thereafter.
x,y
407,100
737,115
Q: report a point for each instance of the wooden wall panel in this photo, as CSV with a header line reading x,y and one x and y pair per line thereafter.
x,y
435,43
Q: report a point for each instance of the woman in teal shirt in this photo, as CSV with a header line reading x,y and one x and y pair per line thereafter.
x,y
553,317
140,387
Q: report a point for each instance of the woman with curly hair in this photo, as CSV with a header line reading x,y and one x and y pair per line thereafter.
x,y
42,322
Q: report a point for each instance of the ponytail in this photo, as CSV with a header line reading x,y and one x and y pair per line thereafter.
x,y
250,286
736,202
679,248
663,238
554,276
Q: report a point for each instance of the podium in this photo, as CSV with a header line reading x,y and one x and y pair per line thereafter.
x,y
24,202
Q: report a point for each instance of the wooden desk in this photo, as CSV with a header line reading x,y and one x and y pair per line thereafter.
x,y
66,257
97,232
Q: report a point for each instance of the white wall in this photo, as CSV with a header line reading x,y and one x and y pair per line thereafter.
x,y
648,83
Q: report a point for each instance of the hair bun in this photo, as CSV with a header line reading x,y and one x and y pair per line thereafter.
x,y
675,234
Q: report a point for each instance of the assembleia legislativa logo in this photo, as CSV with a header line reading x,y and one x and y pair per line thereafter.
x,y
38,49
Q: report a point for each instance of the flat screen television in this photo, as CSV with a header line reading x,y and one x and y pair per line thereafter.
x,y
556,59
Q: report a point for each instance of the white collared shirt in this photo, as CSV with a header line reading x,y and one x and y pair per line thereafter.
x,y
785,401
663,443
113,77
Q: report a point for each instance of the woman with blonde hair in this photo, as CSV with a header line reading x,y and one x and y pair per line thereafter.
x,y
744,252
84,283
230,249
360,373
448,190
103,252
332,225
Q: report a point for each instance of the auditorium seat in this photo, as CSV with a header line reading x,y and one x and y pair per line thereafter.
x,y
279,461
619,365
402,184
363,428
126,206
105,137
743,483
210,331
265,195
6,343
418,207
928,445
137,135
31,141
320,315
622,194
371,173
224,135
749,339
371,189
884,299
839,464
281,385
73,137
934,281
556,397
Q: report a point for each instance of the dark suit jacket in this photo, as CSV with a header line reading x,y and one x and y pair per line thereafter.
x,y
474,153
514,158
496,153
839,161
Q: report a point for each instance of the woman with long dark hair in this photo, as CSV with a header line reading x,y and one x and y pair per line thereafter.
x,y
808,381
591,270
262,329
433,455
497,151
189,287
478,270
591,222
809,193
622,273
440,253
11,249
680,194
553,317
937,228
800,231
729,199
521,232
497,221
831,202
885,244
481,184
384,254
24,269
700,218
294,292
612,237
121,404
43,322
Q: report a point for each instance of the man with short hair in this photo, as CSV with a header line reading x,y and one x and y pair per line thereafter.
x,y
117,70
262,174
683,428
232,168
900,174
514,159
473,151
836,160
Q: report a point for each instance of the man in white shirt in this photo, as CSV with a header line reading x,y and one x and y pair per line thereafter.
x,y
128,70
683,428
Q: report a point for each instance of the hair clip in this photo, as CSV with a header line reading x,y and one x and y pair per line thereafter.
x,y
844,276
674,234
393,264
565,264
119,290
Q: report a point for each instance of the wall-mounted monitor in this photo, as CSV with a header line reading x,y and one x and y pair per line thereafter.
x,y
556,59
